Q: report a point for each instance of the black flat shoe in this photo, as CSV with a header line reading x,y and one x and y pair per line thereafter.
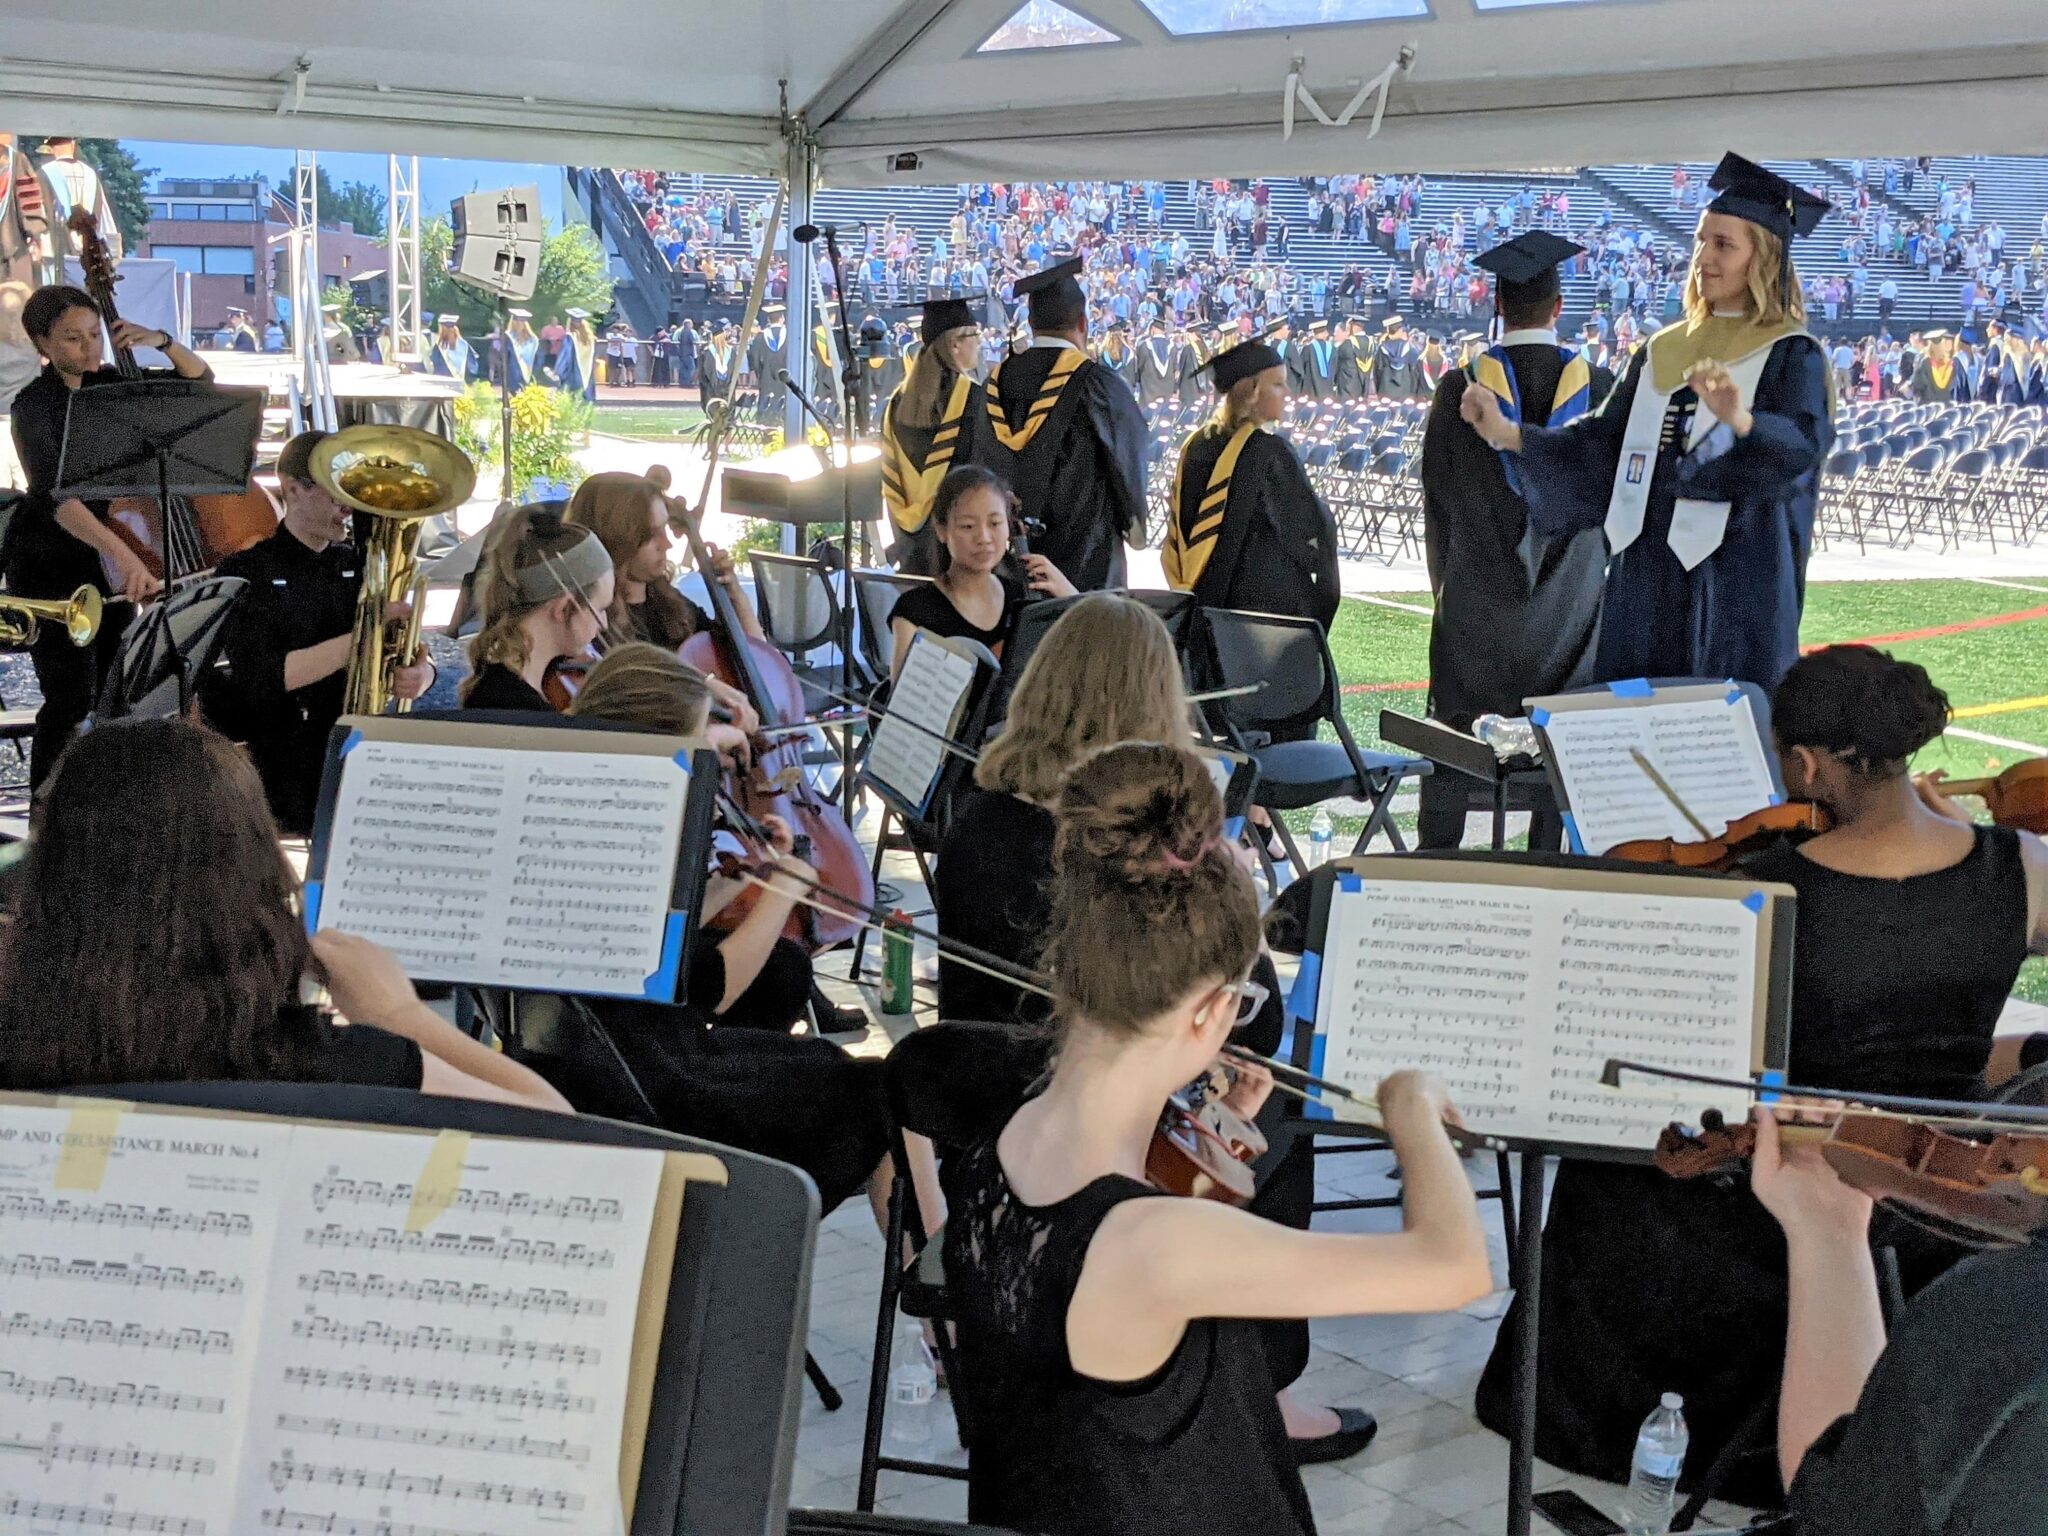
x,y
1354,1432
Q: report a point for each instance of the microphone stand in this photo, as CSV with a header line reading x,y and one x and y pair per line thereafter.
x,y
849,382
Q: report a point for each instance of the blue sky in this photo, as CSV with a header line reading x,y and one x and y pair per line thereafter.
x,y
441,181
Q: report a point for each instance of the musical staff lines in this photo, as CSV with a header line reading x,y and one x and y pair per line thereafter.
x,y
17,1206
128,1335
545,870
120,1394
42,1513
435,1389
139,1276
331,1524
426,1339
539,1252
455,1293
523,1446
53,1452
518,1204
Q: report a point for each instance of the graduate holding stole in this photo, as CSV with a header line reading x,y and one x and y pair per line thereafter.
x,y
1703,465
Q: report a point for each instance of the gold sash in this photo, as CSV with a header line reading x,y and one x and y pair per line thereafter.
x,y
1016,441
907,487
1188,550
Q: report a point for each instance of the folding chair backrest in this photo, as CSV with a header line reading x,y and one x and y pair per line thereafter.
x,y
876,593
1288,656
956,1082
794,596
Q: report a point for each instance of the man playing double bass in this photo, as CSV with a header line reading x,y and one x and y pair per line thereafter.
x,y
55,547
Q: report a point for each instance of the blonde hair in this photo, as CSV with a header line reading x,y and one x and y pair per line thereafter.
x,y
919,402
613,505
1105,673
1138,855
520,538
1233,407
1770,303
643,685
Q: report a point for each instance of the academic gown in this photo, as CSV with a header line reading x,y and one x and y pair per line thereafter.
x,y
574,373
1736,614
1925,386
1319,370
1275,549
1517,614
1083,472
523,358
1397,372
1347,370
1155,378
908,448
1191,384
715,366
768,354
1294,358
457,362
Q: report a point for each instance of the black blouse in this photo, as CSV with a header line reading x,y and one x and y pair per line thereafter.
x,y
992,890
497,686
928,607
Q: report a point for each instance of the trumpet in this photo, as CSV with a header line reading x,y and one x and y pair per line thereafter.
x,y
400,476
79,614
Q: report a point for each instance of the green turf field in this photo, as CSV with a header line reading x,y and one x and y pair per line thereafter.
x,y
651,420
1379,645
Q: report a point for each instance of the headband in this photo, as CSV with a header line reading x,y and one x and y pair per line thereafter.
x,y
565,572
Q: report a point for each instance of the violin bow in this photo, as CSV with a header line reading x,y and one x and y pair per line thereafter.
x,y
1664,788
1948,1111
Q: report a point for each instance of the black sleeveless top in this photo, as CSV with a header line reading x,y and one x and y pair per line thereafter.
x,y
1197,1446
1897,985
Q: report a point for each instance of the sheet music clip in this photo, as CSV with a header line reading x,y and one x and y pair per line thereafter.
x,y
162,656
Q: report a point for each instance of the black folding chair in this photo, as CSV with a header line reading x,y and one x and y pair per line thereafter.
x,y
799,607
1177,610
1288,659
875,594
951,1083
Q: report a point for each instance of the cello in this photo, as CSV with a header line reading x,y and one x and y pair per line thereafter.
x,y
777,785
194,533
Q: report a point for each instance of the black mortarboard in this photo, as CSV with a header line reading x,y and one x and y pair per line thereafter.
x,y
943,315
1764,198
1527,257
1241,362
1041,281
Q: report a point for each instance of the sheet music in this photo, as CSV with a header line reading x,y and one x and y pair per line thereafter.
x,y
929,692
450,1336
547,871
130,1296
1708,750
1516,997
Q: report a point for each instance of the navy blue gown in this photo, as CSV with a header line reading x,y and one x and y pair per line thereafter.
x,y
1736,614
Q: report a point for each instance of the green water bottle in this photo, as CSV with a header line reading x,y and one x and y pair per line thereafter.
x,y
897,952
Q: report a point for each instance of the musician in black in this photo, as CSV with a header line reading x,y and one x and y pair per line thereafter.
x,y
289,641
54,547
1068,436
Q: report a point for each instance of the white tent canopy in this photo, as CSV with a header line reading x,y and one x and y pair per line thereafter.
x,y
700,84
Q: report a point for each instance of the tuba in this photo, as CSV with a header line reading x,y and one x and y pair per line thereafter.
x,y
399,477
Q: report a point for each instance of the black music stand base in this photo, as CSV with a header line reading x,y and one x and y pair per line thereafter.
x,y
1526,1245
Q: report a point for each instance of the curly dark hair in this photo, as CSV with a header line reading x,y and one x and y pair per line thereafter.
x,y
155,933
1861,705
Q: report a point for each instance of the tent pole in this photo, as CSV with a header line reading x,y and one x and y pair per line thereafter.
x,y
800,176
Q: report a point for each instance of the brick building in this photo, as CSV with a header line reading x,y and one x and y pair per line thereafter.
x,y
226,234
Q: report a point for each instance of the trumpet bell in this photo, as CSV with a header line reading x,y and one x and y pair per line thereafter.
x,y
393,472
82,615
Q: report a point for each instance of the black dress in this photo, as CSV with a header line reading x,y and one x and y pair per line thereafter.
x,y
497,686
310,1047
1198,1445
928,607
1655,1286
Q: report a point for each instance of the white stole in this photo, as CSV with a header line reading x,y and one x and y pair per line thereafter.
x,y
1697,527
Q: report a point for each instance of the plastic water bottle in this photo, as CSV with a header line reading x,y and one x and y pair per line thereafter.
x,y
913,1388
1508,738
1653,1480
1319,833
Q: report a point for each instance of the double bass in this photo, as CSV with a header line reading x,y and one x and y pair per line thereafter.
x,y
777,784
192,534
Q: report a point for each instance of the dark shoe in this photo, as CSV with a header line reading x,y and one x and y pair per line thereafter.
x,y
1354,1432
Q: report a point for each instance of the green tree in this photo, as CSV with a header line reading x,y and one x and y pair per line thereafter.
x,y
123,178
359,203
573,274
353,314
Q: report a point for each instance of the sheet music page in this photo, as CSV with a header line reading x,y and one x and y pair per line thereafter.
x,y
929,693
549,871
450,1336
133,1253
1516,997
1709,750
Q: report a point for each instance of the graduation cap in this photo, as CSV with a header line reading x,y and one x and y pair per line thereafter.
x,y
520,314
1235,364
948,314
577,314
1767,200
1933,336
1969,336
1055,294
1391,323
1527,267
1046,280
451,318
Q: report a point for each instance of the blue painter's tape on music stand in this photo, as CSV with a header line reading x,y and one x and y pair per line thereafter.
x,y
1539,717
1317,1108
1233,829
1733,696
350,742
1350,884
682,761
661,986
1770,1080
1301,1002
313,888
1754,901
1632,688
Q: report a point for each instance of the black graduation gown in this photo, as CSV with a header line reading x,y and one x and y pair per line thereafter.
x,y
766,358
1516,614
1397,373
1154,371
1083,473
1294,358
1923,387
1319,369
715,368
1191,383
1347,370
1736,614
1276,549
916,552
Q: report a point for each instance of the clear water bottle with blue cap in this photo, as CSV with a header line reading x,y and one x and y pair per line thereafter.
x,y
913,1388
1320,831
1653,1479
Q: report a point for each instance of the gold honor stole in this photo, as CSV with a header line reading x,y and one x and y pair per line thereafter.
x,y
908,488
1190,541
1048,397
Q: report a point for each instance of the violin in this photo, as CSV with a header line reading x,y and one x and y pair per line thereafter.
x,y
564,680
1746,835
754,869
1991,1190
1202,1148
192,534
2017,797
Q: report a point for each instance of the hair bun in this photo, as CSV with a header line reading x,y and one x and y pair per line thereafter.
x,y
1137,812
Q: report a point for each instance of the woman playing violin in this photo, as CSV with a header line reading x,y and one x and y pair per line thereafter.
x,y
972,597
1104,1327
630,515
1911,929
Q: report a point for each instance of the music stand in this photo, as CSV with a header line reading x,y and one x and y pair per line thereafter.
x,y
164,655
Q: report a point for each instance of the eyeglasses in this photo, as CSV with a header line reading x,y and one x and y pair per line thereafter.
x,y
1251,997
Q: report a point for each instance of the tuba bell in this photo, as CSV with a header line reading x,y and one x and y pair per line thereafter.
x,y
400,477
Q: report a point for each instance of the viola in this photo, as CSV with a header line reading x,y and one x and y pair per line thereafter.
x,y
777,784
2017,797
192,534
1202,1148
1746,835
564,680
754,869
1993,1189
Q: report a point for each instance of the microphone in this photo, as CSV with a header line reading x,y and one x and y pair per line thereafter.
x,y
782,377
804,234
